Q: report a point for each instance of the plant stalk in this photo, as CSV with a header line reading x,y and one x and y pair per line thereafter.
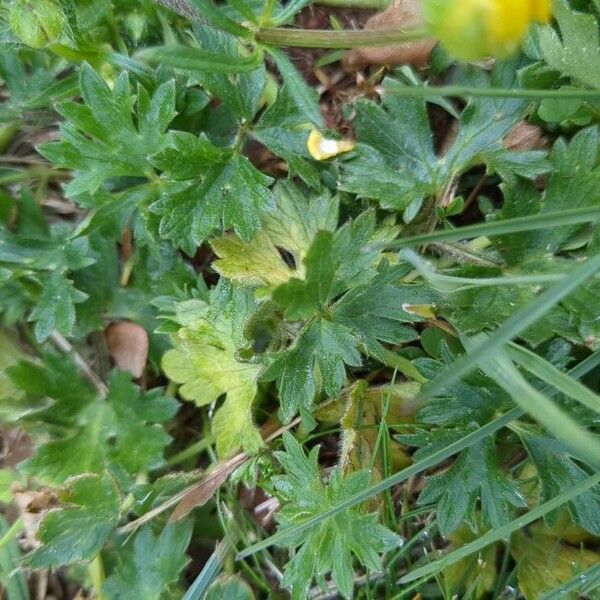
x,y
331,39
458,91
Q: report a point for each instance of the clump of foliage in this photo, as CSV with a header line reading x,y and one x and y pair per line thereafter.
x,y
250,348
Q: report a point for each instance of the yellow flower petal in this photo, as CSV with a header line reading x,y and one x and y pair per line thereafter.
x,y
477,29
322,148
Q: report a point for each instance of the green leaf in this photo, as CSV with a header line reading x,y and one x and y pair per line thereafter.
x,y
101,139
559,472
122,429
330,546
232,195
149,563
241,92
396,142
500,533
301,299
283,129
476,475
229,588
77,531
197,59
215,16
305,98
205,360
370,310
55,309
185,154
576,53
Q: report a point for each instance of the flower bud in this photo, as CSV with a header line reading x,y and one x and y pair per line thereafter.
x,y
477,29
37,23
322,148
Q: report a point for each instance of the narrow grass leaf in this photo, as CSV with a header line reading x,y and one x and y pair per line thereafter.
x,y
495,535
590,363
560,218
210,570
11,577
585,581
512,327
549,374
500,368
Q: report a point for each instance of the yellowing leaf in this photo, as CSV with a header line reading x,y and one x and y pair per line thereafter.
x,y
290,230
476,573
206,363
360,411
545,563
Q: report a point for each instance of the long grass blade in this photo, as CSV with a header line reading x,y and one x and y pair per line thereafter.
x,y
458,91
403,475
210,570
560,218
12,579
501,369
512,327
549,374
495,535
585,581
590,363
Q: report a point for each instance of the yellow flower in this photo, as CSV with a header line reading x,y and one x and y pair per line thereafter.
x,y
322,148
477,29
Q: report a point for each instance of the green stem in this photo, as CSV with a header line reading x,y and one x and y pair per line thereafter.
x,y
459,91
367,4
325,38
96,573
190,451
12,532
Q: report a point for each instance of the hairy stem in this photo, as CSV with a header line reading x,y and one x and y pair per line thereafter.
x,y
324,38
459,91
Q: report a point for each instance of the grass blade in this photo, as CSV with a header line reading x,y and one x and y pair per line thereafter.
x,y
549,374
495,535
560,218
11,577
585,581
512,327
501,369
210,570
590,363
385,484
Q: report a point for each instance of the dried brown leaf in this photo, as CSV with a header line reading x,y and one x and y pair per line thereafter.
x,y
523,137
128,346
402,14
201,493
